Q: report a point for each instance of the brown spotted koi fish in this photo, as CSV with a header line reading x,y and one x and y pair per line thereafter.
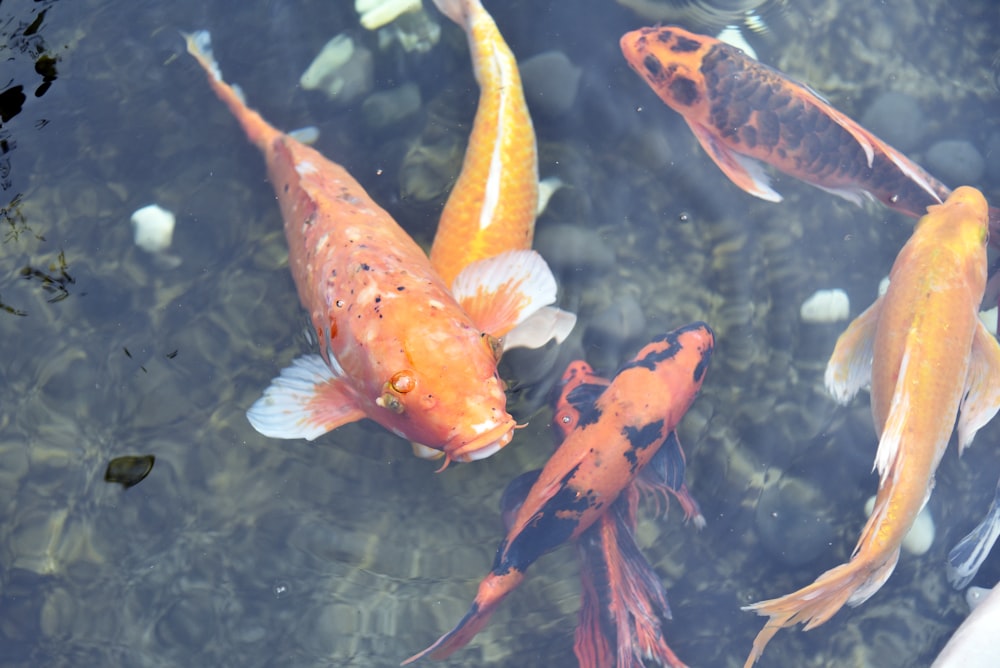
x,y
614,439
397,345
928,360
744,113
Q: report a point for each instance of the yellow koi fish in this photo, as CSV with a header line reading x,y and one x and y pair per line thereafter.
x,y
927,358
493,204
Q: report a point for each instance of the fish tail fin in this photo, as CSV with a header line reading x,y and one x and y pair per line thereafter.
x,y
259,131
458,11
624,602
493,589
851,583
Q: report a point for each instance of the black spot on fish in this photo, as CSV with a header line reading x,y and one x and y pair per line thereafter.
x,y
685,45
285,188
684,91
664,36
365,267
699,371
768,128
378,298
400,288
548,528
749,135
583,398
653,66
642,437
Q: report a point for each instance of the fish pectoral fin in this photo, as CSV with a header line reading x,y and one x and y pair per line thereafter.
x,y
501,292
982,386
305,401
541,326
969,554
856,196
742,170
850,365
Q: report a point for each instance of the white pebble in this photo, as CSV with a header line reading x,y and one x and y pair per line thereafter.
x,y
826,306
154,228
376,13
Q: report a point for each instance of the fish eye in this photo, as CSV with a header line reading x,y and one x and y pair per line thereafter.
x,y
403,382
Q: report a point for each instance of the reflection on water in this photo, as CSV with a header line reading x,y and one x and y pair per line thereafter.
x,y
237,550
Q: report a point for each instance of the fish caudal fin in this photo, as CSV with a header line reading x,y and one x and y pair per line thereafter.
x,y
493,589
851,583
259,131
744,171
850,365
306,401
623,601
505,291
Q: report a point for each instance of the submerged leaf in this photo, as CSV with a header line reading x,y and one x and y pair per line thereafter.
x,y
129,470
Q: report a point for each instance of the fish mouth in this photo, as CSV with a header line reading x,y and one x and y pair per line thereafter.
x,y
484,445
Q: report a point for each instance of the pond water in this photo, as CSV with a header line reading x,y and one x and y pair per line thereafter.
x,y
239,550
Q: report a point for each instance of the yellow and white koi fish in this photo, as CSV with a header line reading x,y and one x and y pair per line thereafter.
x,y
927,358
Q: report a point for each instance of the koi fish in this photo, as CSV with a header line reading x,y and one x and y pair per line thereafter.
x,y
614,439
397,346
745,113
622,599
493,203
927,358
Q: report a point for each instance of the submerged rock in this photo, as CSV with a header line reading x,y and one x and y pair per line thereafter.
x,y
897,119
956,162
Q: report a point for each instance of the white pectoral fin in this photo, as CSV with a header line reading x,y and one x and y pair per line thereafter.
x,y
982,386
305,401
501,292
543,325
850,365
744,171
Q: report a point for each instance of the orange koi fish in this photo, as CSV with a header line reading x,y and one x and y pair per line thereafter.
x,y
493,204
615,437
396,345
622,599
927,358
745,113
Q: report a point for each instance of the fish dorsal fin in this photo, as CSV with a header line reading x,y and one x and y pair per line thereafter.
x,y
305,401
502,292
850,365
742,170
982,386
895,424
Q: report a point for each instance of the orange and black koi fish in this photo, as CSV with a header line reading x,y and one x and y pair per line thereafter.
x,y
745,113
622,599
615,437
